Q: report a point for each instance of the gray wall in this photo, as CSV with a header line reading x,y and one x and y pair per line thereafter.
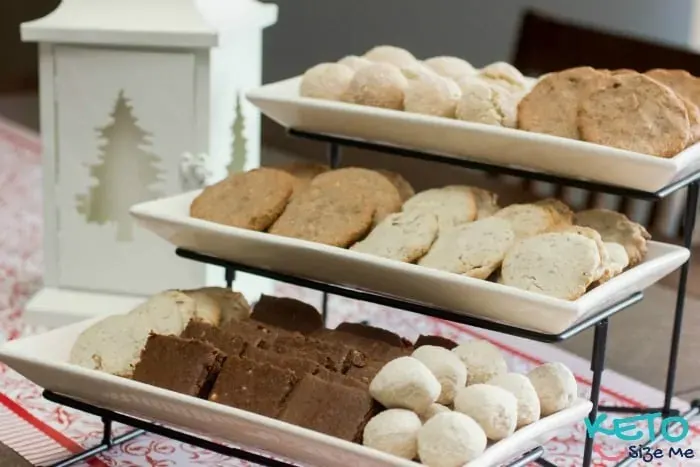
x,y
481,31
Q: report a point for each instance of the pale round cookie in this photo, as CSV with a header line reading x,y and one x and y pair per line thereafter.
x,y
475,249
483,360
559,264
523,390
390,54
505,75
556,387
394,431
402,185
604,272
377,85
327,81
449,67
552,105
507,102
453,205
433,410
403,236
354,62
486,203
431,95
417,70
495,409
618,228
478,103
618,258
446,367
563,212
528,219
635,113
405,383
450,439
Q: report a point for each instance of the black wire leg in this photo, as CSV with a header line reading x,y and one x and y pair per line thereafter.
x,y
597,366
229,276
334,156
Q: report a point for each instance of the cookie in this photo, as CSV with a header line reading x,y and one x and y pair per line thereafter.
x,y
449,67
475,249
505,75
371,186
558,264
486,202
331,215
453,205
377,85
605,271
250,200
551,106
479,102
431,94
529,219
561,210
402,185
618,259
304,173
390,54
404,236
327,81
635,113
617,228
683,83
693,119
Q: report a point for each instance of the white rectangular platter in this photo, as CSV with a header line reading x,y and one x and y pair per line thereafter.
x,y
465,140
170,219
43,358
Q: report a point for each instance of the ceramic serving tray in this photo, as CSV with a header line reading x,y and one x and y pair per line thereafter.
x,y
465,140
43,359
170,219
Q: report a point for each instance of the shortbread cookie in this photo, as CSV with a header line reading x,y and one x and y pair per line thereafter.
x,y
529,219
331,215
635,113
432,95
377,85
486,202
453,205
505,75
564,212
354,62
304,173
475,249
618,228
390,54
449,67
605,271
618,259
250,200
551,106
327,81
374,188
404,236
558,264
402,185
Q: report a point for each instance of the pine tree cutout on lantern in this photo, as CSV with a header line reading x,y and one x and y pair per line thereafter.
x,y
123,150
238,148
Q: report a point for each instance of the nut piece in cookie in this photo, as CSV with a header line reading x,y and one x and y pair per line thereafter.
x,y
453,205
529,219
635,113
558,264
377,85
475,249
327,81
617,228
249,200
402,185
552,104
404,236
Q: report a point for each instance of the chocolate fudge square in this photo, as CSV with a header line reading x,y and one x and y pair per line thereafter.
x,y
254,333
339,378
332,355
365,374
253,386
373,348
186,366
371,332
299,365
330,408
437,341
287,313
10,458
224,340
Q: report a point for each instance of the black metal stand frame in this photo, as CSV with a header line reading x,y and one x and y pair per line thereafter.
x,y
599,320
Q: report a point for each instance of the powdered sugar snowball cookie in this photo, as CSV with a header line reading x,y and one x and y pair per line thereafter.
x,y
495,409
475,249
529,219
505,75
354,62
446,367
450,439
327,81
450,67
483,360
556,387
618,228
390,54
417,70
405,383
394,431
404,236
453,205
559,264
432,411
431,95
523,390
479,103
378,85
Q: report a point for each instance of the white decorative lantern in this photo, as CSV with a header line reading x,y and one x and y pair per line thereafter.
x,y
139,99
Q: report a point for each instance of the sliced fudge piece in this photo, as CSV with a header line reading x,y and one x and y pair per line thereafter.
x,y
287,313
366,373
299,365
438,341
254,386
330,408
187,366
339,378
372,333
254,333
332,355
375,349
223,339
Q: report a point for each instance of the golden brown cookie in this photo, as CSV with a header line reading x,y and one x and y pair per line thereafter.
x,y
693,119
304,173
562,212
486,202
250,200
374,188
617,228
332,215
635,113
552,105
683,83
405,189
